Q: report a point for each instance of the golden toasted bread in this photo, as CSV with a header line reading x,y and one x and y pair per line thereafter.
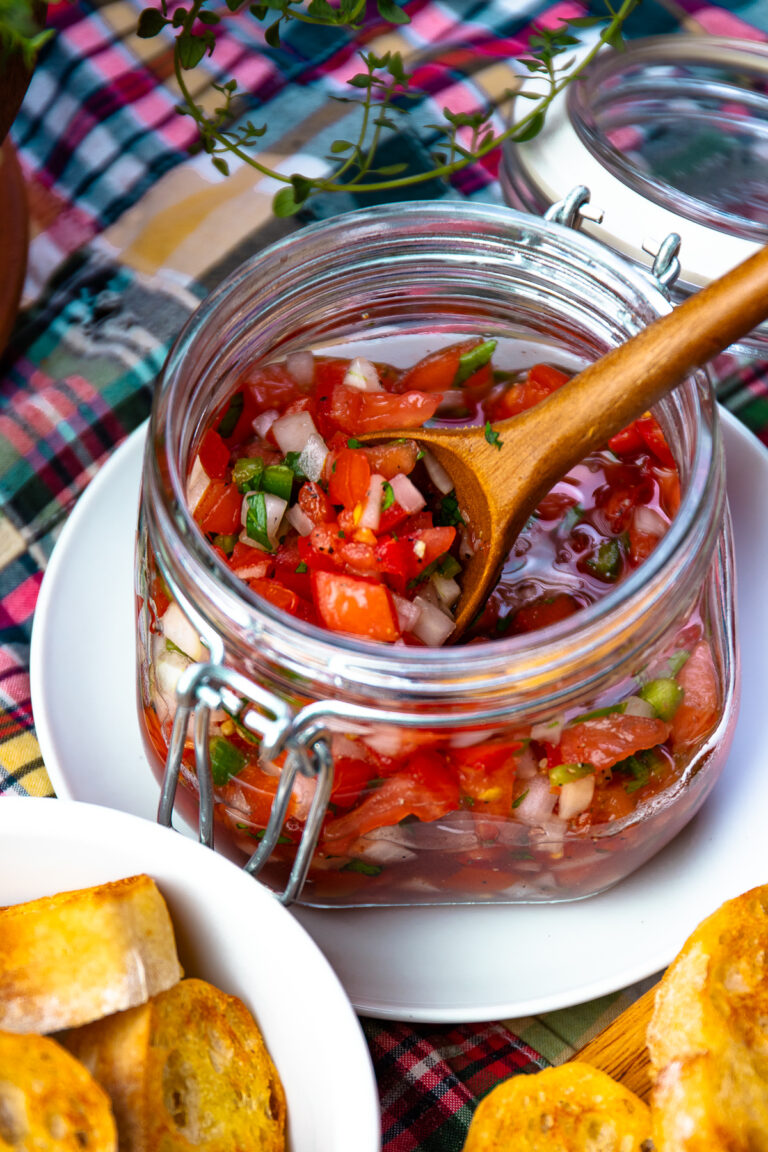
x,y
572,1108
708,1035
48,1101
186,1071
76,956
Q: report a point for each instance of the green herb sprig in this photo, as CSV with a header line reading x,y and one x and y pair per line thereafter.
x,y
381,91
20,32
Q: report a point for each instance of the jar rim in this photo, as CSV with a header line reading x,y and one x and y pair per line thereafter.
x,y
391,664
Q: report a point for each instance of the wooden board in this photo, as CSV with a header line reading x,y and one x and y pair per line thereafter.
x,y
620,1048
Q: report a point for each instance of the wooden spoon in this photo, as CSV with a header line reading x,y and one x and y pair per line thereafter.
x,y
500,479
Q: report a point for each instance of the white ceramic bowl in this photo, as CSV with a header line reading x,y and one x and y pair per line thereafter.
x,y
231,931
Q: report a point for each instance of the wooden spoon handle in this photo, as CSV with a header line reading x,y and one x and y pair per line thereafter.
x,y
629,379
620,1049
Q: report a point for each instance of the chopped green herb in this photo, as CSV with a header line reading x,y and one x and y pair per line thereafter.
x,y
226,543
353,443
449,513
233,413
226,760
516,803
389,496
301,567
639,767
292,461
420,454
259,834
278,479
425,573
663,695
341,534
492,435
449,567
256,520
471,361
363,868
247,473
566,773
171,647
606,563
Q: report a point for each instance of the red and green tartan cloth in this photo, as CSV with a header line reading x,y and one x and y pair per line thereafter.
x,y
127,234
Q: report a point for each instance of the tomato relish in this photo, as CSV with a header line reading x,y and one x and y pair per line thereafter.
x,y
368,540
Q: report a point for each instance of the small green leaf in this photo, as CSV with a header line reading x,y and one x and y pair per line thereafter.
x,y
272,35
388,10
208,17
392,170
179,17
191,49
321,9
150,23
341,146
492,436
221,165
362,80
389,496
258,11
530,130
284,203
302,188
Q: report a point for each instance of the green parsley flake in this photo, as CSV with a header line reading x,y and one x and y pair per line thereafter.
x,y
389,496
492,435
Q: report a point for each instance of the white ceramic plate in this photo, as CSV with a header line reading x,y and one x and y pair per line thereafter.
x,y
425,964
230,931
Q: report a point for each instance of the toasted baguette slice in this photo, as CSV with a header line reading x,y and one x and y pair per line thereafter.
x,y
708,1035
48,1101
189,1070
572,1108
71,958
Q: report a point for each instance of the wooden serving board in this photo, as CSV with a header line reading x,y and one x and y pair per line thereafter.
x,y
620,1048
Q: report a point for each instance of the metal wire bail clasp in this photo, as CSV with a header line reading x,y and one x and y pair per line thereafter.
x,y
201,689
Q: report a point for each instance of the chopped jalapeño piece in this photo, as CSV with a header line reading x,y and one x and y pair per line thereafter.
x,y
471,361
247,473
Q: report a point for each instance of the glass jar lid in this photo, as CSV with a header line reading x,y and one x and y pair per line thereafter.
x,y
670,135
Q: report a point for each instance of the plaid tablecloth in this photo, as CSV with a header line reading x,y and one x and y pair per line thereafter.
x,y
128,233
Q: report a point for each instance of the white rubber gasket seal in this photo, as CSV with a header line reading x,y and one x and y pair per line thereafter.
x,y
557,160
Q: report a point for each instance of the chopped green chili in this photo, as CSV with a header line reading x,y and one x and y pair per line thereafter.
x,y
471,361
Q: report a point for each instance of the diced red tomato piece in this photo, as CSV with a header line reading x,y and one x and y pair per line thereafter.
x,y
351,776
627,442
606,740
488,774
350,478
404,558
314,503
392,459
668,480
318,550
359,412
540,382
354,605
650,430
214,455
437,371
543,612
275,593
271,386
697,712
219,509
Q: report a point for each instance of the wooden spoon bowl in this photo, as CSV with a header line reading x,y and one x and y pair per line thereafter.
x,y
501,474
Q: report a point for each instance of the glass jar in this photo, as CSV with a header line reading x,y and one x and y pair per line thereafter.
x,y
669,136
420,275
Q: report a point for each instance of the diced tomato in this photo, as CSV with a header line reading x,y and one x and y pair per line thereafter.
x,y
316,557
392,517
358,412
437,371
627,442
650,430
540,382
351,776
275,593
219,509
641,543
214,455
354,605
606,740
328,373
404,558
543,612
314,503
668,480
271,386
487,774
256,791
697,713
350,478
388,460
287,560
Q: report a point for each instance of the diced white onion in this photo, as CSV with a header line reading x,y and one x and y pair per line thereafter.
x,y
648,521
406,493
380,851
576,796
407,613
437,473
255,571
168,668
433,627
361,374
180,632
371,516
244,538
386,740
312,457
550,731
636,706
527,766
537,803
275,508
299,520
293,430
448,591
301,367
196,484
262,424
